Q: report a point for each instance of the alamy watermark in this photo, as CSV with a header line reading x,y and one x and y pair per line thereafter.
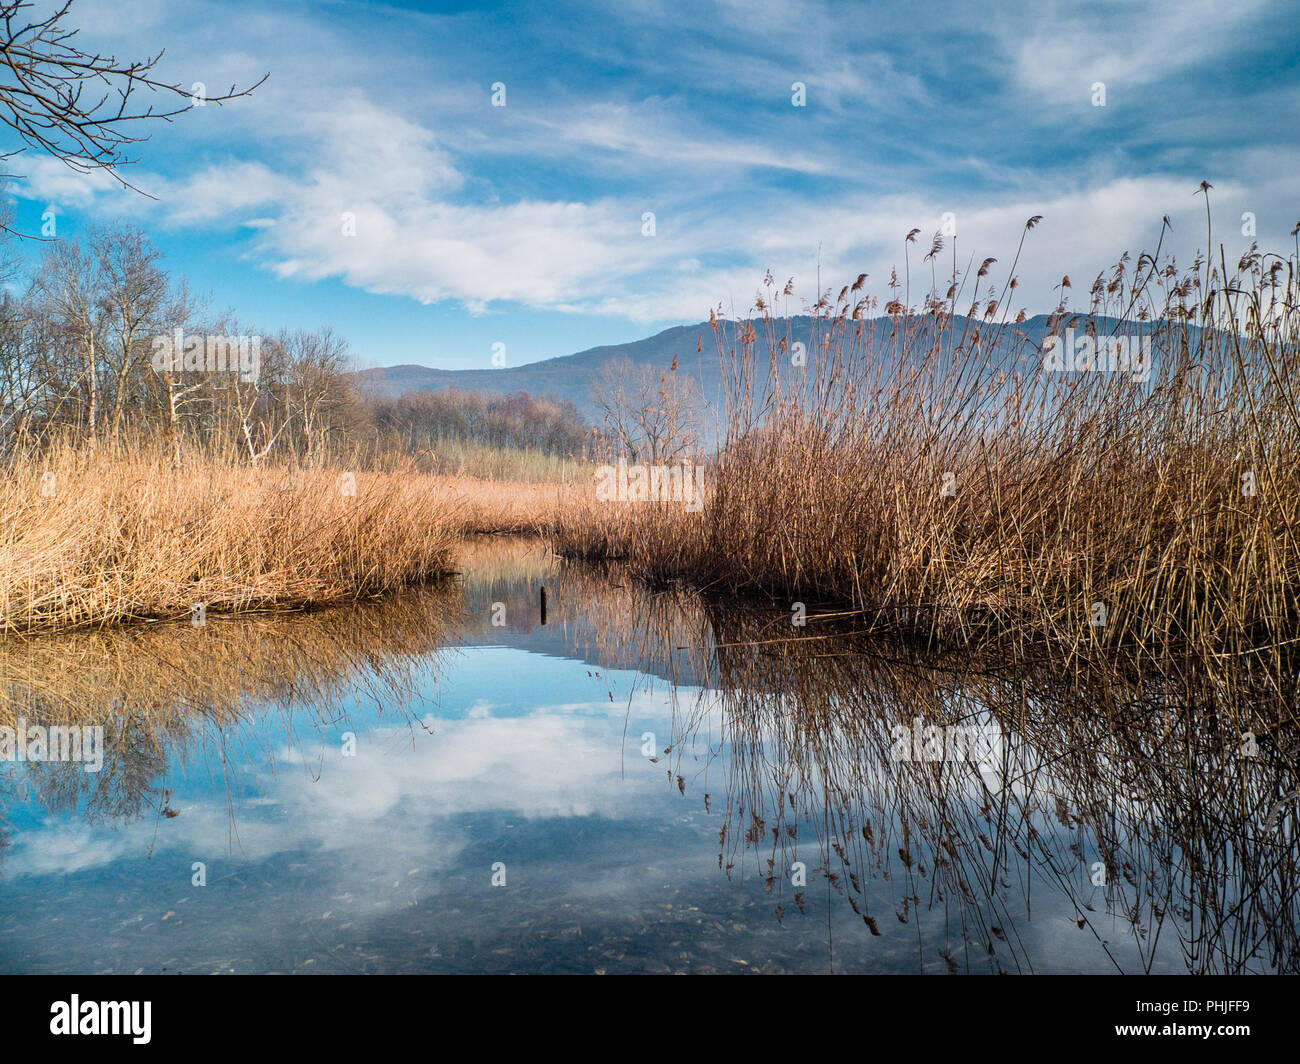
x,y
77,1017
679,482
1087,354
178,353
55,743
979,743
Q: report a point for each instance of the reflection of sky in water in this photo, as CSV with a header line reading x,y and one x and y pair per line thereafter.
x,y
383,861
318,862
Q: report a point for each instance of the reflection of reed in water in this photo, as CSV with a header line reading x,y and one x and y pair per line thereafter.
x,y
1144,775
595,612
162,689
1143,802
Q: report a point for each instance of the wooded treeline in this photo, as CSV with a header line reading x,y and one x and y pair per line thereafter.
x,y
99,345
421,420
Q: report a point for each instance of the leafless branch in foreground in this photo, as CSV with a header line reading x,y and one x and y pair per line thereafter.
x,y
81,107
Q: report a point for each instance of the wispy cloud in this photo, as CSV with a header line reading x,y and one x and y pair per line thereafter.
x,y
385,116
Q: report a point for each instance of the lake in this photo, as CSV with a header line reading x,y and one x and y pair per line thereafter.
x,y
446,780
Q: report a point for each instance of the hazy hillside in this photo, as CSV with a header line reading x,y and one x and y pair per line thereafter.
x,y
569,376
565,377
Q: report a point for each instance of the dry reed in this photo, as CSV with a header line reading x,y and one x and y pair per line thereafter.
x,y
928,471
98,539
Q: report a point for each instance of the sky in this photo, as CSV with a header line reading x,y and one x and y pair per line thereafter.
x,y
653,161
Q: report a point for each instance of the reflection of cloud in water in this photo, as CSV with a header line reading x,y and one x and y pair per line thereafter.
x,y
527,748
556,761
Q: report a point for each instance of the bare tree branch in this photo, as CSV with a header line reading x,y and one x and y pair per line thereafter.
x,y
81,107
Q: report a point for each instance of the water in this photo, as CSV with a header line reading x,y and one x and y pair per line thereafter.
x,y
407,786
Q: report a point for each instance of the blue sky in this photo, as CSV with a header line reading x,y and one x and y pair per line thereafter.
x,y
523,224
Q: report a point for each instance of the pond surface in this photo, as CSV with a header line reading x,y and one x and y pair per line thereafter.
x,y
441,782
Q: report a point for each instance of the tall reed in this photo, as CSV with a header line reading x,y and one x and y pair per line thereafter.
x,y
930,470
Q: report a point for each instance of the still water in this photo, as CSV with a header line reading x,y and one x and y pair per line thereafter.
x,y
442,781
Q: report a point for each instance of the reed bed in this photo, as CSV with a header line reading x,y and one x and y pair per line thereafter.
x,y
490,506
93,539
929,470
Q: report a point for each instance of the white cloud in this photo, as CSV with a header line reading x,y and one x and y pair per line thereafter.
x,y
541,205
49,180
649,131
1065,47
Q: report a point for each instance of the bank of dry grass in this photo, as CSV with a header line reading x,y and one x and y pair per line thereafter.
x,y
483,505
106,538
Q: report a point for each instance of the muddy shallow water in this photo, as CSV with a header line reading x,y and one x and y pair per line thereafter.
x,y
441,782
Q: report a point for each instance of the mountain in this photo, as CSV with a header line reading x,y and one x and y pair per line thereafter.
x,y
570,376
565,377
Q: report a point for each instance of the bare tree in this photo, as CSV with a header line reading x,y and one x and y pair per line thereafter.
x,y
177,398
133,296
652,414
316,389
80,106
29,370
67,290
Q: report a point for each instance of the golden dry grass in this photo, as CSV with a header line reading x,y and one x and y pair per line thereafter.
x,y
120,536
1086,509
481,505
88,539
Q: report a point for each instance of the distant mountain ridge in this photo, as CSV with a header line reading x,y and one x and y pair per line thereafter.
x,y
569,376
564,377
